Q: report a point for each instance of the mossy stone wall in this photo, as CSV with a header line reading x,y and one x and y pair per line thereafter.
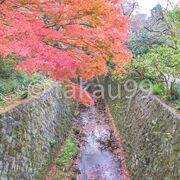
x,y
150,131
31,133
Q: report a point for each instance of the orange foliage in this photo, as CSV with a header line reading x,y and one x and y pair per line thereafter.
x,y
65,39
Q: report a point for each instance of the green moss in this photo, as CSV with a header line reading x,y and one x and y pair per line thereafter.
x,y
69,152
67,157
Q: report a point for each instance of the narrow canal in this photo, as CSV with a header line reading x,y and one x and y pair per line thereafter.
x,y
101,154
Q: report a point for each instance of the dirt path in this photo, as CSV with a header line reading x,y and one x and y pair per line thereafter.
x,y
101,155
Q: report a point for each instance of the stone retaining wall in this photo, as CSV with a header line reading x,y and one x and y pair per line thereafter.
x,y
30,134
150,131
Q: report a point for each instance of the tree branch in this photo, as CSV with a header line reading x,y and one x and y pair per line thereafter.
x,y
2,1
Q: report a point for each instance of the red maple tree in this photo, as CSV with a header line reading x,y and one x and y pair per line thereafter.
x,y
65,39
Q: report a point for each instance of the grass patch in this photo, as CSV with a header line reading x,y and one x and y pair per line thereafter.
x,y
69,152
65,160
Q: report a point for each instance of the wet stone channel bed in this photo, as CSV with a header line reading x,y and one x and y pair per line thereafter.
x,y
100,156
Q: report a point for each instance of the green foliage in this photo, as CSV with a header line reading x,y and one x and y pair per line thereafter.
x,y
161,29
18,82
66,159
138,47
173,18
15,84
177,104
161,65
159,62
3,102
69,152
158,89
7,67
10,80
143,43
156,51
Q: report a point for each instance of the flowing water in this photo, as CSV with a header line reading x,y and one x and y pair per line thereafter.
x,y
97,159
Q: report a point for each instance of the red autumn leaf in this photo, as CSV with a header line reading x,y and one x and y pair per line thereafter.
x,y
65,39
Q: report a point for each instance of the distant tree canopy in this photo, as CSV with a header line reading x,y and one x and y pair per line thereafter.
x,y
161,28
155,44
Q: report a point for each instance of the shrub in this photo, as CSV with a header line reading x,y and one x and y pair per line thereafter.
x,y
159,89
161,65
7,67
13,83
